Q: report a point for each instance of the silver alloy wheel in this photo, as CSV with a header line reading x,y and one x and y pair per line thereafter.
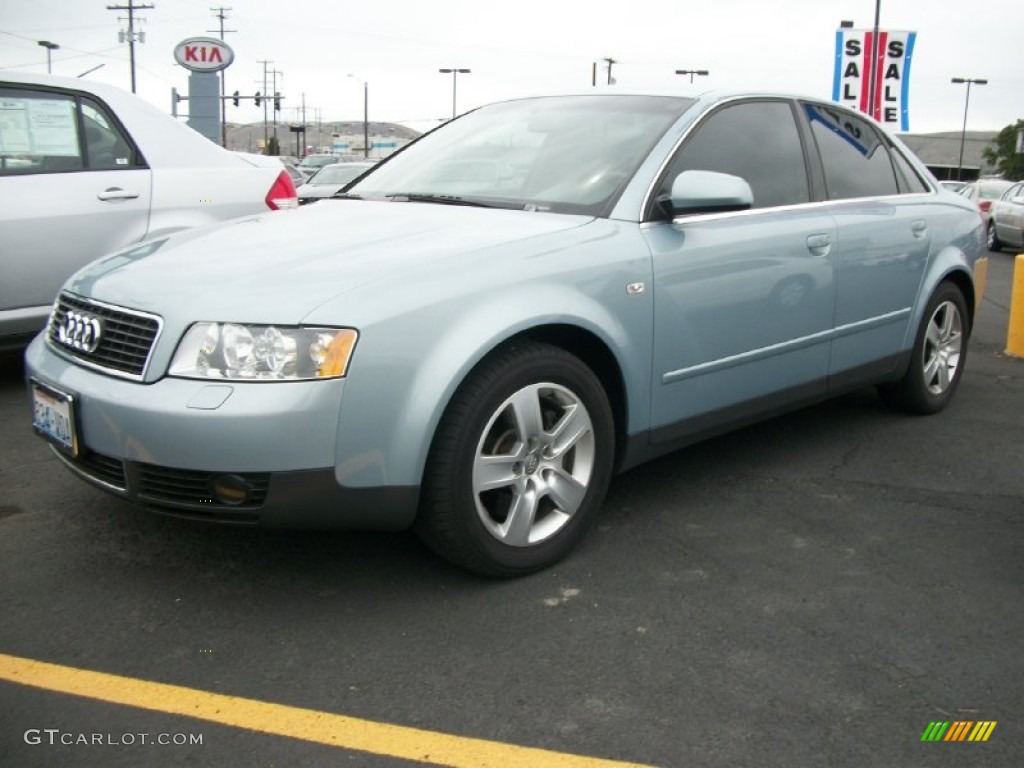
x,y
533,464
942,345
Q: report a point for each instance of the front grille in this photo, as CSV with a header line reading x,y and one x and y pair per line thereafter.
x,y
186,486
125,340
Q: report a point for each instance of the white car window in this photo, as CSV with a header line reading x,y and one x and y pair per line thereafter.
x,y
38,133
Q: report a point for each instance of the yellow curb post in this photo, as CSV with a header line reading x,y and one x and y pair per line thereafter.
x,y
1015,334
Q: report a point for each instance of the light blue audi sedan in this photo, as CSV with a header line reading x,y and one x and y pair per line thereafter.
x,y
473,338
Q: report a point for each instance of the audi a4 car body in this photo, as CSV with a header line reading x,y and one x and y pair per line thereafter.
x,y
475,336
86,169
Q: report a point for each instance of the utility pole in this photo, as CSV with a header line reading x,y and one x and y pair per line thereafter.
x,y
610,61
219,13
266,135
130,36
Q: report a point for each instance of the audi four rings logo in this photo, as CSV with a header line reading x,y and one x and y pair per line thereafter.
x,y
80,331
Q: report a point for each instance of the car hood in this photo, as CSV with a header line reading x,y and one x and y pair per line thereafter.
x,y
278,267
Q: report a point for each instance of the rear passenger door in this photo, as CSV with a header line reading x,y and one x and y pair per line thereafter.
x,y
882,211
74,188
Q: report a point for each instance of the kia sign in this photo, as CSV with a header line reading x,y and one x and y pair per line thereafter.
x,y
203,54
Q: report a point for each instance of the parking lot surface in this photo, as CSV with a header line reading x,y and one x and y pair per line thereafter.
x,y
814,590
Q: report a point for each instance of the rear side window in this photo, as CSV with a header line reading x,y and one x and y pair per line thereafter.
x,y
908,177
45,132
855,159
757,141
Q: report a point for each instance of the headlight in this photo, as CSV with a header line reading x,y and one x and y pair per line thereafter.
x,y
263,352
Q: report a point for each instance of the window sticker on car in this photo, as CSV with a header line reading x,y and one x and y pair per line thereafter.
x,y
41,126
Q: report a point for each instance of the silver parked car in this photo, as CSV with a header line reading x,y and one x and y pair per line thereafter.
x,y
474,337
984,192
1006,219
87,169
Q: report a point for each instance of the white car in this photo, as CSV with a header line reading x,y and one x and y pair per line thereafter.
x,y
331,179
87,169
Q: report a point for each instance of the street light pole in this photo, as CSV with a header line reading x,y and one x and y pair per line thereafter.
x,y
692,72
455,72
366,112
49,48
963,132
873,64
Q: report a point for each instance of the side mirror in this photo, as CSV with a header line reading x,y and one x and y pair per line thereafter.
x,y
708,192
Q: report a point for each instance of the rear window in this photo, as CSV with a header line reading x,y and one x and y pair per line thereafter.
x,y
51,132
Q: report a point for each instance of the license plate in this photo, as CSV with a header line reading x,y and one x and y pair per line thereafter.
x,y
53,416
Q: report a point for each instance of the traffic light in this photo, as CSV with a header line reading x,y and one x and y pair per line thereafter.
x,y
257,98
277,101
234,98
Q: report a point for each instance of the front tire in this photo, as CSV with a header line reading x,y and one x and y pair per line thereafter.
x,y
938,357
520,463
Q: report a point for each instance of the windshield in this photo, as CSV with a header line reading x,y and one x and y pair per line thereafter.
x,y
570,154
338,174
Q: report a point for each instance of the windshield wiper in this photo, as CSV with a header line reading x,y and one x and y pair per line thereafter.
x,y
402,197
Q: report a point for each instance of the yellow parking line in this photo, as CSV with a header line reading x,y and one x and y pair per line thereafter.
x,y
294,722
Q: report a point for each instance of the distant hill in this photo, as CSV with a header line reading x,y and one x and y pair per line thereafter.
x,y
249,137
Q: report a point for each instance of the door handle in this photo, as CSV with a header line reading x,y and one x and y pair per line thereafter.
x,y
919,228
116,193
819,244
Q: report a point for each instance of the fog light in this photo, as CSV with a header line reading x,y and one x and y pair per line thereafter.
x,y
231,490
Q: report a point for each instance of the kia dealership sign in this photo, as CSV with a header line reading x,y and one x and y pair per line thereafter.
x,y
203,54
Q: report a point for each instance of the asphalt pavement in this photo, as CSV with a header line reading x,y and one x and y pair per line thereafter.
x,y
811,591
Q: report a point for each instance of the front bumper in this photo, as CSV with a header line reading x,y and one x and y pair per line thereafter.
x,y
175,443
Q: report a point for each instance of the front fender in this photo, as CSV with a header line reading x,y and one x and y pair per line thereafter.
x,y
407,367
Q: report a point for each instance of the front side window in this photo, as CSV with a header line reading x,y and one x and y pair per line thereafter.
x,y
855,159
757,141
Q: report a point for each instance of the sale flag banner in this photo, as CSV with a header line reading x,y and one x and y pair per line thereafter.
x,y
877,85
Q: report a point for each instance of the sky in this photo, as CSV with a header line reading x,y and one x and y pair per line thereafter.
x,y
521,48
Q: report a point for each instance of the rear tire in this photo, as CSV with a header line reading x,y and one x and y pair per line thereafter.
x,y
520,463
937,360
994,243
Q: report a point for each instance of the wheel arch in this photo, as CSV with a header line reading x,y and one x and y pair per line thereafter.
x,y
595,353
949,265
427,368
